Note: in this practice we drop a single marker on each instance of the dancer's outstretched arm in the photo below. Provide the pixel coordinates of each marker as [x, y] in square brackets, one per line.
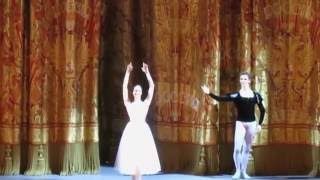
[125, 85]
[145, 69]
[228, 97]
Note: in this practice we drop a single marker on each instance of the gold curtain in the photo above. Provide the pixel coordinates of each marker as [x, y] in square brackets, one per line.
[286, 47]
[49, 65]
[49, 68]
[186, 54]
[11, 75]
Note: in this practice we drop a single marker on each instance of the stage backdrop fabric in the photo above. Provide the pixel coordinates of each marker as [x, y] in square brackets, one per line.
[48, 71]
[62, 64]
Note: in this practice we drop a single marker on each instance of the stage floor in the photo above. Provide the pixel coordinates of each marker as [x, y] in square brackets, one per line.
[107, 173]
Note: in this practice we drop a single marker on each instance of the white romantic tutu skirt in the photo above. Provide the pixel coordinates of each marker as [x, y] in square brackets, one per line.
[137, 150]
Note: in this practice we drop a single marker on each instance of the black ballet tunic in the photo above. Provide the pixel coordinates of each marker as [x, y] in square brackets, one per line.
[244, 105]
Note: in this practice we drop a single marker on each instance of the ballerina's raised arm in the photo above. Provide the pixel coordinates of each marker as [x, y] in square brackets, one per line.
[125, 84]
[145, 69]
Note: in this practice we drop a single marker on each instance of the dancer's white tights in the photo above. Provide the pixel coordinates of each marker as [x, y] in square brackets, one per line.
[243, 138]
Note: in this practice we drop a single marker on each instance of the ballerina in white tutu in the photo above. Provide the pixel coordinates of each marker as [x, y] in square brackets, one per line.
[137, 153]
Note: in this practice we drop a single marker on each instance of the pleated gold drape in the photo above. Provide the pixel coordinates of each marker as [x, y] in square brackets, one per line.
[11, 75]
[186, 54]
[49, 62]
[286, 46]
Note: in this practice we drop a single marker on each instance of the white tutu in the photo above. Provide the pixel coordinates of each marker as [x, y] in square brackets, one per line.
[137, 150]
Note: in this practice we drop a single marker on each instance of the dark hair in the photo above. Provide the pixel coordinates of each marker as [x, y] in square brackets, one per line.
[247, 74]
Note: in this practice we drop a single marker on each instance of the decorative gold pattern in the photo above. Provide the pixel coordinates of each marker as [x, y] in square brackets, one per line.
[48, 72]
[187, 53]
[48, 89]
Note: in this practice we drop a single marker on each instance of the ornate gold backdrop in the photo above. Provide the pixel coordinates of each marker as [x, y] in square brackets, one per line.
[61, 79]
[49, 62]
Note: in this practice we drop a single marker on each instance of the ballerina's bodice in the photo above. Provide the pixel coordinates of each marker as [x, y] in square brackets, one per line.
[137, 111]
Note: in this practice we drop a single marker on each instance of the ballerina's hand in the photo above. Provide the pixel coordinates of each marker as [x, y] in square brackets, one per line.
[145, 68]
[205, 89]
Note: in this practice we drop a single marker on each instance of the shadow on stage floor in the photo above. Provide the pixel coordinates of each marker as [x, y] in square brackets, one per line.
[109, 173]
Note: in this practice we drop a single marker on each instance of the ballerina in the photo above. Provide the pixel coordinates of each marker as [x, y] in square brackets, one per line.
[137, 154]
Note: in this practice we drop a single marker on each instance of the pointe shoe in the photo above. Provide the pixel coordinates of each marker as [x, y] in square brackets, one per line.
[137, 175]
[245, 175]
[236, 175]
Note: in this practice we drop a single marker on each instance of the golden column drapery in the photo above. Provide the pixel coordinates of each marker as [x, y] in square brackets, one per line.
[285, 47]
[58, 95]
[186, 55]
[11, 65]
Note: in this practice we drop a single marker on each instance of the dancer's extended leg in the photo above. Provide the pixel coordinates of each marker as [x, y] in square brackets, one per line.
[238, 142]
[249, 136]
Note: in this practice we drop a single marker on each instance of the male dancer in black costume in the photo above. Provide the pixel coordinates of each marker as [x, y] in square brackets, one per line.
[246, 126]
